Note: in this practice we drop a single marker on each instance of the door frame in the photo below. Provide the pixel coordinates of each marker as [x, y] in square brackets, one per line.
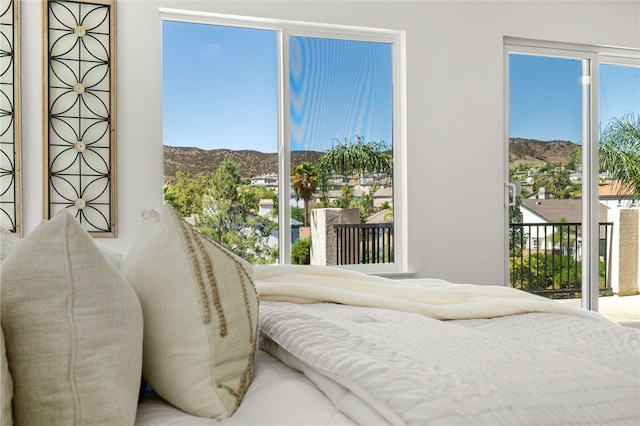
[590, 141]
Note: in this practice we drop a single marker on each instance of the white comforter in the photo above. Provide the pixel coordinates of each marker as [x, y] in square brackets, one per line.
[528, 361]
[434, 298]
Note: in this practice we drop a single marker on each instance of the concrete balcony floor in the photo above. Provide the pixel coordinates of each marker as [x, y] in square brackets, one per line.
[621, 309]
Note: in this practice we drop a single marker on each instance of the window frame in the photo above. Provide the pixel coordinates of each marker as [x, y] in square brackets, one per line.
[286, 29]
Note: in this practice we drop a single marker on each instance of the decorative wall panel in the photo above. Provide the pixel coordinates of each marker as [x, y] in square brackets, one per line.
[80, 112]
[10, 176]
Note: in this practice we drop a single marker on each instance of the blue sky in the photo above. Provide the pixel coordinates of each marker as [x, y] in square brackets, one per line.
[219, 87]
[220, 91]
[545, 96]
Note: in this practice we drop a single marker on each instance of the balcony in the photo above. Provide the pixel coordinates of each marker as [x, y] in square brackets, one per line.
[363, 243]
[546, 258]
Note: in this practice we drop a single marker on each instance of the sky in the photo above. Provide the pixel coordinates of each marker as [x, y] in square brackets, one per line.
[220, 91]
[545, 96]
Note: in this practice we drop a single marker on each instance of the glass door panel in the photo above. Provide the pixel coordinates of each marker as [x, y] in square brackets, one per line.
[619, 114]
[341, 127]
[220, 133]
[545, 144]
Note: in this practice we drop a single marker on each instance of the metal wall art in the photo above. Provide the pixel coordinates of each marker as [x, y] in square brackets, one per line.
[10, 176]
[79, 130]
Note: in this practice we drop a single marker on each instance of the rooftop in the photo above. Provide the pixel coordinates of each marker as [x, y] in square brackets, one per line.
[557, 210]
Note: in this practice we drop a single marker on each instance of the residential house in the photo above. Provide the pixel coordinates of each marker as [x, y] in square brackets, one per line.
[545, 219]
[613, 196]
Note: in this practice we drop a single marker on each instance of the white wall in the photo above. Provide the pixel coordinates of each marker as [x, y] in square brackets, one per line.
[455, 109]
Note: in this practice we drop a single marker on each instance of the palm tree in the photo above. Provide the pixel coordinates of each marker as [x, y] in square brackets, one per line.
[620, 152]
[354, 158]
[305, 180]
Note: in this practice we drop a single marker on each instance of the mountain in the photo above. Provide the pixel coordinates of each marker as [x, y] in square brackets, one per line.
[254, 163]
[531, 151]
[251, 163]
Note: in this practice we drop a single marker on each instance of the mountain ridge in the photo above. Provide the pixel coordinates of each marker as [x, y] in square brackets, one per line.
[254, 163]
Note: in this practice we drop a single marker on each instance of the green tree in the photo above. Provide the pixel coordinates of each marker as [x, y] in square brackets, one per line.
[541, 180]
[297, 213]
[305, 178]
[301, 252]
[365, 204]
[229, 218]
[353, 158]
[251, 195]
[346, 199]
[185, 193]
[561, 186]
[222, 205]
[620, 152]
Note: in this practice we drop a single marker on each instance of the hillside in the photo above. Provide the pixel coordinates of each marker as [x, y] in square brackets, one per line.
[254, 163]
[531, 151]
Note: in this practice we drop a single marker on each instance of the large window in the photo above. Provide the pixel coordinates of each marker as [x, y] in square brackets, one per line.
[284, 140]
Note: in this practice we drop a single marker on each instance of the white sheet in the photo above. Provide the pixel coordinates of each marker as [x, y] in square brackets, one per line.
[278, 395]
[530, 369]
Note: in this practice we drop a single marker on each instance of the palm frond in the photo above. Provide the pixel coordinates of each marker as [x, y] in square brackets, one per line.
[620, 152]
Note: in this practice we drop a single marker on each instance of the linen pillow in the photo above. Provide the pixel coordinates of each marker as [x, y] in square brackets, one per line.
[73, 330]
[6, 387]
[200, 312]
[8, 242]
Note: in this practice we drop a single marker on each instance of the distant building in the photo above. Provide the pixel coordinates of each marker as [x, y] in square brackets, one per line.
[555, 212]
[383, 216]
[613, 196]
[541, 210]
[265, 180]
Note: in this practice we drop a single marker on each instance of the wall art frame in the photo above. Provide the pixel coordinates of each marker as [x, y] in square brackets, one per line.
[10, 118]
[80, 112]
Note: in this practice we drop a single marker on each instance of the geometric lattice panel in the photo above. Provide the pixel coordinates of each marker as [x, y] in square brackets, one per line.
[80, 112]
[10, 192]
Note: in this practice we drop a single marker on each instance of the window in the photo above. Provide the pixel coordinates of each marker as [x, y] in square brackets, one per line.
[283, 104]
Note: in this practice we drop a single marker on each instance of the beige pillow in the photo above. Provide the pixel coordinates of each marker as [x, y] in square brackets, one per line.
[73, 330]
[8, 242]
[200, 315]
[6, 387]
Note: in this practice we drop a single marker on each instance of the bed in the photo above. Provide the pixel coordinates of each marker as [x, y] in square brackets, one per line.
[218, 338]
[339, 347]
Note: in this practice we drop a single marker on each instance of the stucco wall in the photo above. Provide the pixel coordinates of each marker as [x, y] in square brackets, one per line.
[455, 152]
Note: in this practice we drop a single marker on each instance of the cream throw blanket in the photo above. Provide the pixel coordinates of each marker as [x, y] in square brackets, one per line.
[433, 298]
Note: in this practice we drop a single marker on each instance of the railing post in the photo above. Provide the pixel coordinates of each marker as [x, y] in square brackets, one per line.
[323, 234]
[625, 253]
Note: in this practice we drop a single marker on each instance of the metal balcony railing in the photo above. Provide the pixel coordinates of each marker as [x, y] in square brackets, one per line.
[364, 243]
[546, 258]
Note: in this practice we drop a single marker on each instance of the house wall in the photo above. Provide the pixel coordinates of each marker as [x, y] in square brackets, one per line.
[455, 105]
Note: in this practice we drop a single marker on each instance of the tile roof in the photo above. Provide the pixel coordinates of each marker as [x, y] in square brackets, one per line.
[556, 210]
[383, 216]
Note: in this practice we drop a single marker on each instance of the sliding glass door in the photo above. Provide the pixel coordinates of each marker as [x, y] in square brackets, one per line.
[546, 140]
[571, 145]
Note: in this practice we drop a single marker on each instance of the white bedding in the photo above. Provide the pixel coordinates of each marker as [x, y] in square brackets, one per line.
[433, 298]
[403, 368]
[372, 351]
[278, 395]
